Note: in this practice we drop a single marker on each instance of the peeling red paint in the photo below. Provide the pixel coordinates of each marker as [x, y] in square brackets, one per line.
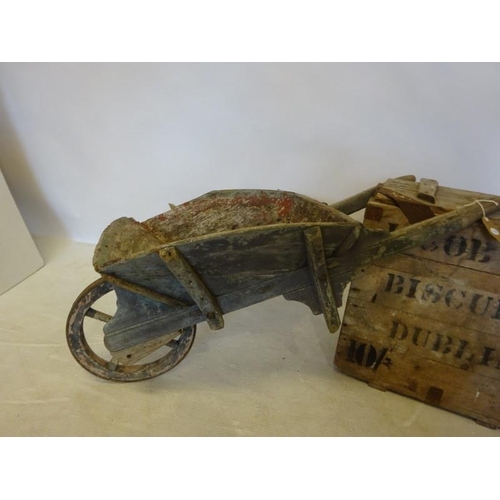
[230, 210]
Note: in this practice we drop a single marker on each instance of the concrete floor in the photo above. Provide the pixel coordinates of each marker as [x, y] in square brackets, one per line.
[269, 372]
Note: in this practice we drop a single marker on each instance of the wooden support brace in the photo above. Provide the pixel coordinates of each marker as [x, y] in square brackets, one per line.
[193, 284]
[319, 271]
[141, 290]
[133, 354]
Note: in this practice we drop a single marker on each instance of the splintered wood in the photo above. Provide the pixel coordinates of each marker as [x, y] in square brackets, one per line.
[426, 323]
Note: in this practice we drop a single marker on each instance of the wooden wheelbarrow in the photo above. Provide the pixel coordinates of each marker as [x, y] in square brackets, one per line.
[219, 253]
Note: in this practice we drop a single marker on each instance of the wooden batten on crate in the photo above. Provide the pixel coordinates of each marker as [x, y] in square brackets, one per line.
[426, 323]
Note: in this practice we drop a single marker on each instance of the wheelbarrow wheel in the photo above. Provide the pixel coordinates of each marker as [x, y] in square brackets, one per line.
[82, 313]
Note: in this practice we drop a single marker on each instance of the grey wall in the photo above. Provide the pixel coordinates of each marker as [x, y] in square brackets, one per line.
[82, 144]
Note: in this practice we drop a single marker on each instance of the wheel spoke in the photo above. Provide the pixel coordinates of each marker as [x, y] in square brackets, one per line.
[92, 313]
[112, 365]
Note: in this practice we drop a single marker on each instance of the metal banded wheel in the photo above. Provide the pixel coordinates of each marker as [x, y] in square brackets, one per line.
[85, 340]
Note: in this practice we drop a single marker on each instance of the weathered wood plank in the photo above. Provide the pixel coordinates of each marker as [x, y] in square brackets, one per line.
[141, 290]
[388, 216]
[405, 331]
[134, 354]
[473, 248]
[433, 290]
[427, 189]
[375, 247]
[319, 271]
[414, 211]
[149, 271]
[358, 201]
[198, 291]
[446, 198]
[424, 379]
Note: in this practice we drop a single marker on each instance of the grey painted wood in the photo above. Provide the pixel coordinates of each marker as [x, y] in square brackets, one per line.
[321, 279]
[198, 291]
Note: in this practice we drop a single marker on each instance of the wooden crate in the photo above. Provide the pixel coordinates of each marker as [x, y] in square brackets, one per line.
[426, 323]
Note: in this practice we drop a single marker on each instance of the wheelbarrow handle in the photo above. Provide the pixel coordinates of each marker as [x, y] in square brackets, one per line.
[359, 201]
[376, 244]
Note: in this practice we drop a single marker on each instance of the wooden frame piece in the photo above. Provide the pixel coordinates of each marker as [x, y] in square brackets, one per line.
[193, 284]
[319, 272]
[135, 353]
[427, 190]
[145, 292]
[360, 200]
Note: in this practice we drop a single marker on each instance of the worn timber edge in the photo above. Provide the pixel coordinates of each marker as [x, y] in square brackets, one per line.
[141, 290]
[384, 386]
[194, 285]
[365, 251]
[359, 201]
[321, 279]
[427, 189]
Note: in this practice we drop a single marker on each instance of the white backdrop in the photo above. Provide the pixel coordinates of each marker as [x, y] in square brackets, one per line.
[83, 144]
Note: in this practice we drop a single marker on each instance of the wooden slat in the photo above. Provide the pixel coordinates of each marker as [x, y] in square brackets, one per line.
[473, 248]
[427, 380]
[446, 198]
[141, 290]
[427, 189]
[414, 210]
[358, 201]
[134, 354]
[404, 330]
[200, 294]
[319, 271]
[433, 290]
[409, 237]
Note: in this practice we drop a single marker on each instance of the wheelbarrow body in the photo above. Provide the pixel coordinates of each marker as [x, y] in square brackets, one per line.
[227, 250]
[211, 256]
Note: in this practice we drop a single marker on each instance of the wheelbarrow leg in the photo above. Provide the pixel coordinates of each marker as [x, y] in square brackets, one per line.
[321, 278]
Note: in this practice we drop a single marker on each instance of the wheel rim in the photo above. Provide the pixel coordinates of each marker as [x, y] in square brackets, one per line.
[86, 356]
